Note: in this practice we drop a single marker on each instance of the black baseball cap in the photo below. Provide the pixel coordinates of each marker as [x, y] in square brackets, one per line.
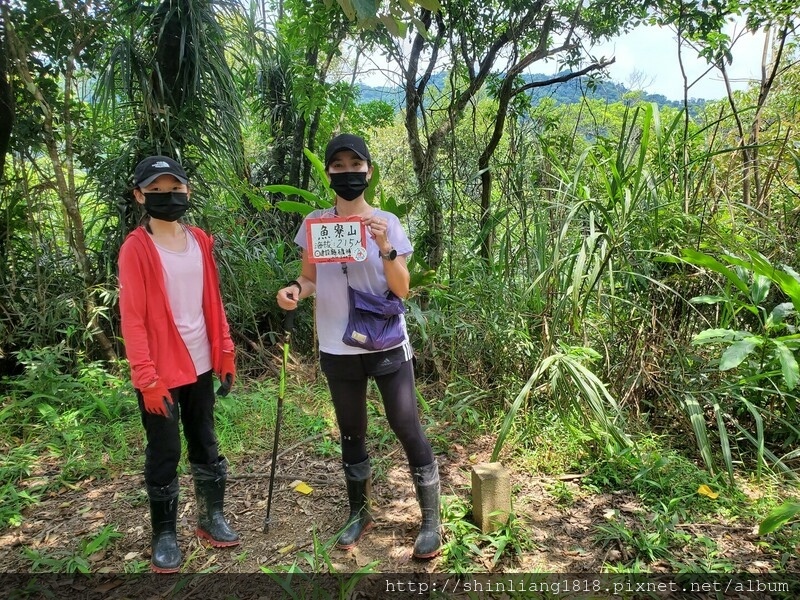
[347, 141]
[153, 167]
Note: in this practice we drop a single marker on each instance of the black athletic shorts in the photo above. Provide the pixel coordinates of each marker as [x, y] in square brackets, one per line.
[359, 366]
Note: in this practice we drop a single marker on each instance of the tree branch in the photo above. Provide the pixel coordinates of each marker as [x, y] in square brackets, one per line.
[566, 77]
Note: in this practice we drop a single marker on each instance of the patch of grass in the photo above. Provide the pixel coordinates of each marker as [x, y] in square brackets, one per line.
[380, 466]
[541, 443]
[12, 503]
[462, 538]
[296, 583]
[15, 466]
[134, 498]
[676, 491]
[784, 540]
[459, 413]
[189, 561]
[635, 566]
[136, 566]
[83, 423]
[509, 541]
[561, 493]
[665, 481]
[784, 545]
[700, 554]
[16, 463]
[328, 448]
[464, 405]
[75, 561]
[245, 420]
[467, 550]
[638, 539]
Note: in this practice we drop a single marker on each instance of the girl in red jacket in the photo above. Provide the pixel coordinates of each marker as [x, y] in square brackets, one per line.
[176, 335]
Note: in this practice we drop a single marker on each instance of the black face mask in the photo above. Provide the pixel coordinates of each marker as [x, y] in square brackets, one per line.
[349, 185]
[166, 206]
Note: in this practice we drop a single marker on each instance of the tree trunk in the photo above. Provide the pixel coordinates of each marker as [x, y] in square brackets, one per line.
[6, 94]
[423, 154]
[769, 73]
[63, 173]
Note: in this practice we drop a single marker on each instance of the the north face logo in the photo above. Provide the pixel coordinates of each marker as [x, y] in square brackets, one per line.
[160, 165]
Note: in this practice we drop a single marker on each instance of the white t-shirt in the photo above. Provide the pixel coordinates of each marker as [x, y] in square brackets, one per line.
[183, 280]
[367, 276]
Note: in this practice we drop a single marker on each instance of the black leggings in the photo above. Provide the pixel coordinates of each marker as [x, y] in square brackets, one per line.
[193, 405]
[400, 402]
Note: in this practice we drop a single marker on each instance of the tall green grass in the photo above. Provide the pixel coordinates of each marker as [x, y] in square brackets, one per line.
[616, 328]
[61, 411]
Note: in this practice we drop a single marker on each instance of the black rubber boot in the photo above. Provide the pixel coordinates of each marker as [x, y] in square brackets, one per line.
[209, 490]
[165, 554]
[359, 490]
[426, 483]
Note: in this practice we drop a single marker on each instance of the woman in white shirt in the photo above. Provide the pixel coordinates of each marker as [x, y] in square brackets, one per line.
[347, 367]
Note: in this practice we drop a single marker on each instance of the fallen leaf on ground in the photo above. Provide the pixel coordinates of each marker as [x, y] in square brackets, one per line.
[704, 490]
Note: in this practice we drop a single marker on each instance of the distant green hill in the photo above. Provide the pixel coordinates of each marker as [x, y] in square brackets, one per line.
[570, 92]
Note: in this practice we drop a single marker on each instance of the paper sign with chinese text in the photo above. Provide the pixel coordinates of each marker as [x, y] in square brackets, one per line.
[337, 239]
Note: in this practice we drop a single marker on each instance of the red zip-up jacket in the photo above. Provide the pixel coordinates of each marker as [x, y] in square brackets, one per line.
[153, 345]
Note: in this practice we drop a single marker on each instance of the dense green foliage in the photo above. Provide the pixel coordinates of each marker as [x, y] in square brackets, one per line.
[608, 270]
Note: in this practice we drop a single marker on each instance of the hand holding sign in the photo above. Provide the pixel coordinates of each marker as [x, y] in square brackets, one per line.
[378, 227]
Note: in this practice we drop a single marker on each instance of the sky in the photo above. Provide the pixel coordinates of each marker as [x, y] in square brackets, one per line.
[649, 56]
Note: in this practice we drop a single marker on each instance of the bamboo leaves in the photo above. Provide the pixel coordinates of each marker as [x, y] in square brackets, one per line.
[366, 13]
[700, 259]
[779, 517]
[761, 355]
[737, 352]
[789, 368]
[739, 345]
[582, 400]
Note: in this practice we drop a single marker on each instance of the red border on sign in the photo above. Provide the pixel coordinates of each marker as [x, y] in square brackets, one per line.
[332, 221]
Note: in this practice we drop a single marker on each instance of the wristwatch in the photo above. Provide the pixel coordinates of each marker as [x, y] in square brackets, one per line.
[390, 255]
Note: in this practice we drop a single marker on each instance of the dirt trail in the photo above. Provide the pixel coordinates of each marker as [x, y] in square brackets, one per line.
[562, 537]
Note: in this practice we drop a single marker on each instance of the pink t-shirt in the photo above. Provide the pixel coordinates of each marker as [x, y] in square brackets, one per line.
[183, 279]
